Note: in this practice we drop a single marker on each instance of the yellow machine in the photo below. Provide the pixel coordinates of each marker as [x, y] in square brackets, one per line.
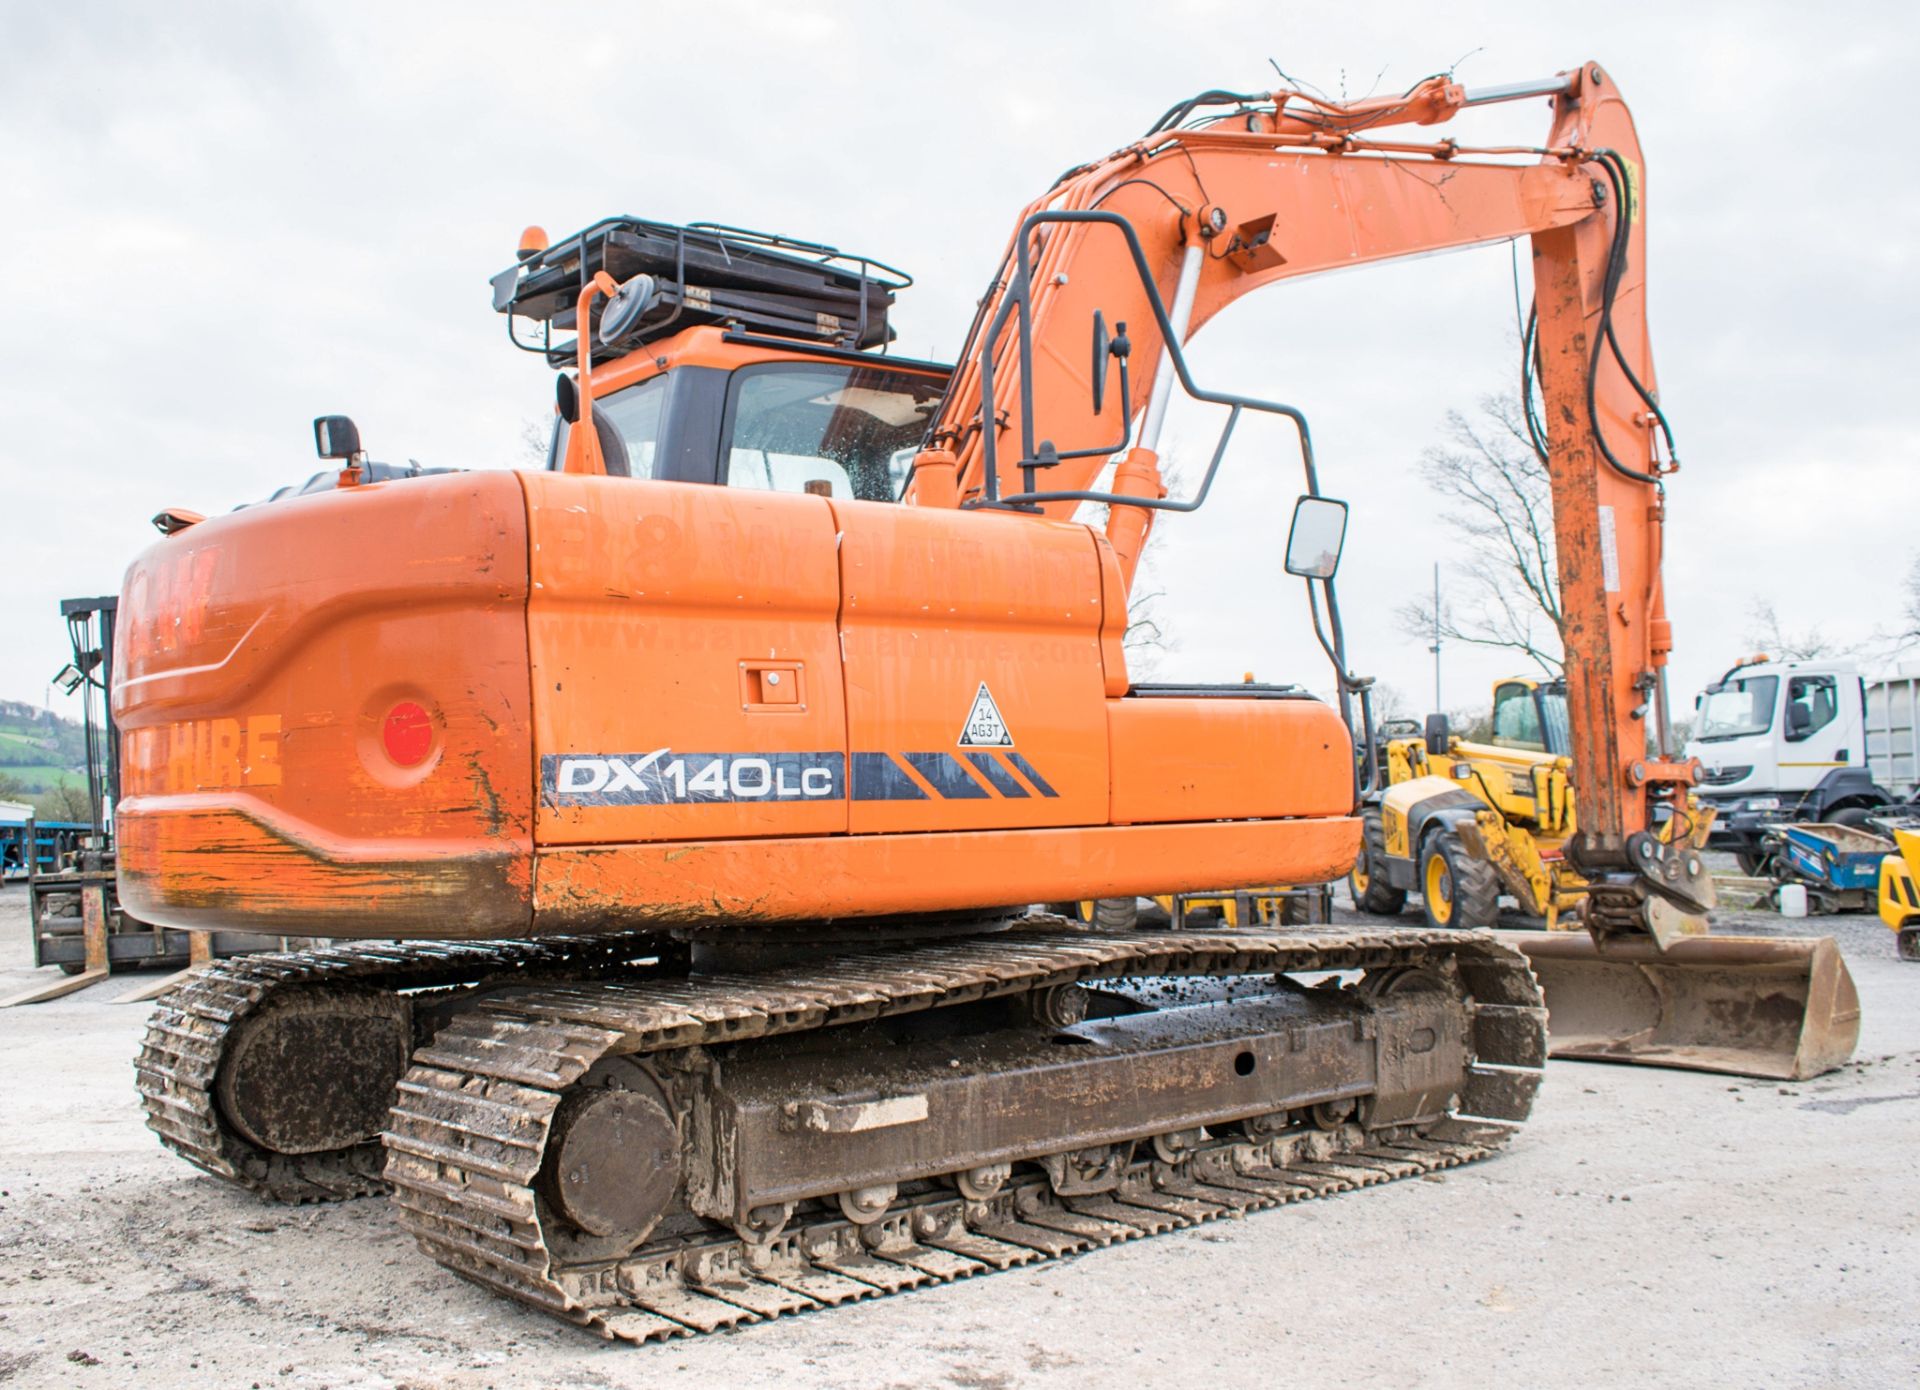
[1271, 906]
[1899, 895]
[1460, 823]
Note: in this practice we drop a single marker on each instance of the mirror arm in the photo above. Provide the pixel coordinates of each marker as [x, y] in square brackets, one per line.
[1334, 644]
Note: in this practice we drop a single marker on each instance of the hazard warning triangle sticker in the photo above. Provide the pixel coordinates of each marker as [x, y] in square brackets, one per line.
[984, 727]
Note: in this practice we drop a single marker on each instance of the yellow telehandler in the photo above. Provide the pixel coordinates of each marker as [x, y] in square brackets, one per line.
[1459, 823]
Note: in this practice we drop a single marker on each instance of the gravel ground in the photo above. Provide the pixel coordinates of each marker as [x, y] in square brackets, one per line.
[1648, 1228]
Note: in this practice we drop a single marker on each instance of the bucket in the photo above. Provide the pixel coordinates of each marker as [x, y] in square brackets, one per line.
[1775, 1006]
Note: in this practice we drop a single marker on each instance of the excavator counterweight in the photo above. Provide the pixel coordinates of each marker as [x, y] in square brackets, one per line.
[689, 795]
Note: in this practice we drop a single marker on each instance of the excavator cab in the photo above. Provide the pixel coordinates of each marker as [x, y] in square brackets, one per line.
[723, 357]
[778, 423]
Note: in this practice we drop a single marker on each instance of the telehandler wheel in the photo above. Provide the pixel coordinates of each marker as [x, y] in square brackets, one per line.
[1457, 890]
[1108, 914]
[1369, 887]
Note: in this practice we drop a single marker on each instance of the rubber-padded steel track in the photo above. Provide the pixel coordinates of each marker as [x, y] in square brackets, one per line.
[472, 1118]
[191, 1024]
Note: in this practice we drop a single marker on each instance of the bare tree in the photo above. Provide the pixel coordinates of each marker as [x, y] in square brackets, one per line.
[1147, 641]
[1145, 638]
[1910, 611]
[1390, 703]
[66, 801]
[536, 436]
[1766, 634]
[1499, 506]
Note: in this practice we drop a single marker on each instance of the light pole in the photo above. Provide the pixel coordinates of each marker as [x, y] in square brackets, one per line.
[1435, 648]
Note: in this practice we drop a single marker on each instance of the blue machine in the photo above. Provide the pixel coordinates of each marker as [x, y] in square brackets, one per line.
[52, 840]
[1838, 864]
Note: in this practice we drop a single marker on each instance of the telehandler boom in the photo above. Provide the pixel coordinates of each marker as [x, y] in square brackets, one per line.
[700, 785]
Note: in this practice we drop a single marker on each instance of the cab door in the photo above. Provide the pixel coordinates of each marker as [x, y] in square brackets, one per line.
[1814, 732]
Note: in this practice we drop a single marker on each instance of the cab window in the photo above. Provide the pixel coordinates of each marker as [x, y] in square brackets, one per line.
[1516, 719]
[1812, 704]
[826, 429]
[635, 415]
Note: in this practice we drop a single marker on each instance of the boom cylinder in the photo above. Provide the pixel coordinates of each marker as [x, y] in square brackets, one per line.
[1180, 315]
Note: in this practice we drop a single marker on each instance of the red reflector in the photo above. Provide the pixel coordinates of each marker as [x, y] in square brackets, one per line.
[408, 734]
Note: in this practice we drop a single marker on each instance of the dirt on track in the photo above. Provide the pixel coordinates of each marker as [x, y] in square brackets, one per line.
[1647, 1227]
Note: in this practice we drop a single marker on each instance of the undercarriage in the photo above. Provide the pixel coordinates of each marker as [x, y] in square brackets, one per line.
[615, 1131]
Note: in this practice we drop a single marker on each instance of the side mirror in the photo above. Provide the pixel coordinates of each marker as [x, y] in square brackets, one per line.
[1319, 531]
[1439, 737]
[1100, 343]
[623, 311]
[336, 437]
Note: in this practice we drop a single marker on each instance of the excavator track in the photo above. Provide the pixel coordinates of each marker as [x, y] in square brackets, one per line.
[192, 1027]
[470, 1130]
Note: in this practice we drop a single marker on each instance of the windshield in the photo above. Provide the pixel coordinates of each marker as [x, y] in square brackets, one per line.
[832, 430]
[1516, 720]
[1553, 704]
[1738, 708]
[1531, 718]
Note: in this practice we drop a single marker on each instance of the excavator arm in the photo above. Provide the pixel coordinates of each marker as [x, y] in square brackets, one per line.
[1147, 245]
[1123, 260]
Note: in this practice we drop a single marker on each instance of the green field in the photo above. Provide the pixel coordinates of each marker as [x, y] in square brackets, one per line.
[15, 739]
[39, 754]
[40, 777]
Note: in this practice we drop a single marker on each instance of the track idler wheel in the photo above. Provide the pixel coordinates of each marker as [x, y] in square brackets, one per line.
[612, 1165]
[315, 1073]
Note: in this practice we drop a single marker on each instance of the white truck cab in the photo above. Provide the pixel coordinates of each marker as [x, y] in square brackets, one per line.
[1790, 741]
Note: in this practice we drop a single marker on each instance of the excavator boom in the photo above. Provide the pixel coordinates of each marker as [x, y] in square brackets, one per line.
[1283, 185]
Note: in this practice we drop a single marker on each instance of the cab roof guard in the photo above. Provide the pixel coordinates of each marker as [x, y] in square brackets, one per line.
[703, 273]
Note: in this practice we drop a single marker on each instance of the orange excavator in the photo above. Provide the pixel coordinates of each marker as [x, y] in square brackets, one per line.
[691, 792]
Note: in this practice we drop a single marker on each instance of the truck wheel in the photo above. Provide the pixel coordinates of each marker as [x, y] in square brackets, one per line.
[1367, 883]
[1754, 863]
[1457, 890]
[1851, 817]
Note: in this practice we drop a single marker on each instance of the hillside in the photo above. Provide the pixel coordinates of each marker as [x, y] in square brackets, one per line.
[39, 750]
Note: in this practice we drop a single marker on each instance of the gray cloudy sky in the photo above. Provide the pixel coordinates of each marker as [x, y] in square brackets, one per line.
[226, 220]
